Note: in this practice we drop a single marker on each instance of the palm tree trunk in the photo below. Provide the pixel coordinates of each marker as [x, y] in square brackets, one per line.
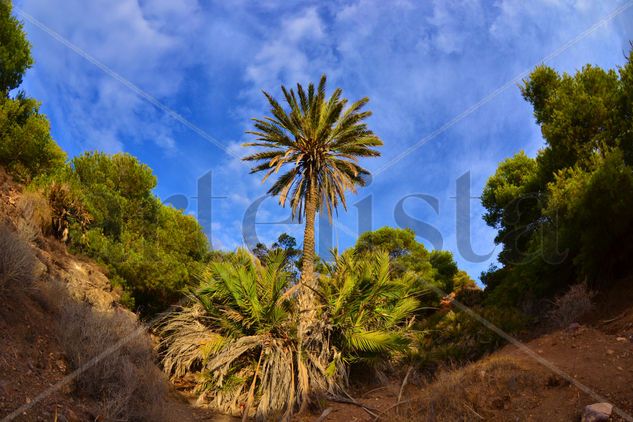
[307, 302]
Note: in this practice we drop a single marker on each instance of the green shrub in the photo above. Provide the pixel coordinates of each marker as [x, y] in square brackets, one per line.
[26, 146]
[370, 311]
[239, 336]
[453, 335]
[104, 207]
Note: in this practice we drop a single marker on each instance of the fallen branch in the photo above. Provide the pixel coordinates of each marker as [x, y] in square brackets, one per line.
[351, 400]
[366, 393]
[404, 383]
[607, 321]
[382, 412]
[473, 410]
[324, 414]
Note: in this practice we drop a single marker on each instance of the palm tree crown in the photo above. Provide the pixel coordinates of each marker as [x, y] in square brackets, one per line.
[318, 142]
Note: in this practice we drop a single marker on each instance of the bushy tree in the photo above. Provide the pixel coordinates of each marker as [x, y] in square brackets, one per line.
[436, 269]
[15, 50]
[288, 246]
[104, 206]
[26, 146]
[561, 216]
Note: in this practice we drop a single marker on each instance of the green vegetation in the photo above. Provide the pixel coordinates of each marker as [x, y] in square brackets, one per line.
[103, 204]
[26, 146]
[240, 333]
[564, 216]
[15, 50]
[265, 334]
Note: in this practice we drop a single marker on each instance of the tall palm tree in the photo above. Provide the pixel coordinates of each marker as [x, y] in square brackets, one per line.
[316, 145]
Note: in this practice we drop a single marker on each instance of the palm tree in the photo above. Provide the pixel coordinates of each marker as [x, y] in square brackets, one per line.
[316, 145]
[237, 338]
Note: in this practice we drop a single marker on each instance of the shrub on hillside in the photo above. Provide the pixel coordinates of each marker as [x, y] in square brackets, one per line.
[456, 336]
[36, 215]
[17, 261]
[26, 147]
[103, 206]
[572, 305]
[477, 392]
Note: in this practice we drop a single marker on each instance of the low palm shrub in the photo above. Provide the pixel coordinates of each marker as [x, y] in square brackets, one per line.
[370, 311]
[238, 335]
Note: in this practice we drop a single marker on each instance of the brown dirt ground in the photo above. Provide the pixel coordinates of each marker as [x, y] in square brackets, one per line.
[597, 354]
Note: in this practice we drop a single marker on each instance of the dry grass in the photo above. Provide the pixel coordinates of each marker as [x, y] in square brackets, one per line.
[475, 392]
[36, 216]
[126, 383]
[17, 260]
[572, 305]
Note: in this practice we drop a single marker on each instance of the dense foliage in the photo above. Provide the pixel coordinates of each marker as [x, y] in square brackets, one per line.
[565, 215]
[436, 271]
[26, 146]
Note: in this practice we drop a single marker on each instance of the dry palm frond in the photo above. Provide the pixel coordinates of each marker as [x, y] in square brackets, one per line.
[238, 336]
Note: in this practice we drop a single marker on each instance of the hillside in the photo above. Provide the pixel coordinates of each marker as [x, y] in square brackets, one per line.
[69, 295]
[511, 386]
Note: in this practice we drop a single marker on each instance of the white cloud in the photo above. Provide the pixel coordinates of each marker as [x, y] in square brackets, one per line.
[296, 51]
[131, 38]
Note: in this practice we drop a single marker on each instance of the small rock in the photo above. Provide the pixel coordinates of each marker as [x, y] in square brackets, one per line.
[620, 339]
[610, 352]
[597, 412]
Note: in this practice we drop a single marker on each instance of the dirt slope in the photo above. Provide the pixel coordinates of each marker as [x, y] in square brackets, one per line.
[597, 353]
[32, 358]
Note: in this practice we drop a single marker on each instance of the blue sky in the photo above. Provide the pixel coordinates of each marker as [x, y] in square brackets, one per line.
[421, 64]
